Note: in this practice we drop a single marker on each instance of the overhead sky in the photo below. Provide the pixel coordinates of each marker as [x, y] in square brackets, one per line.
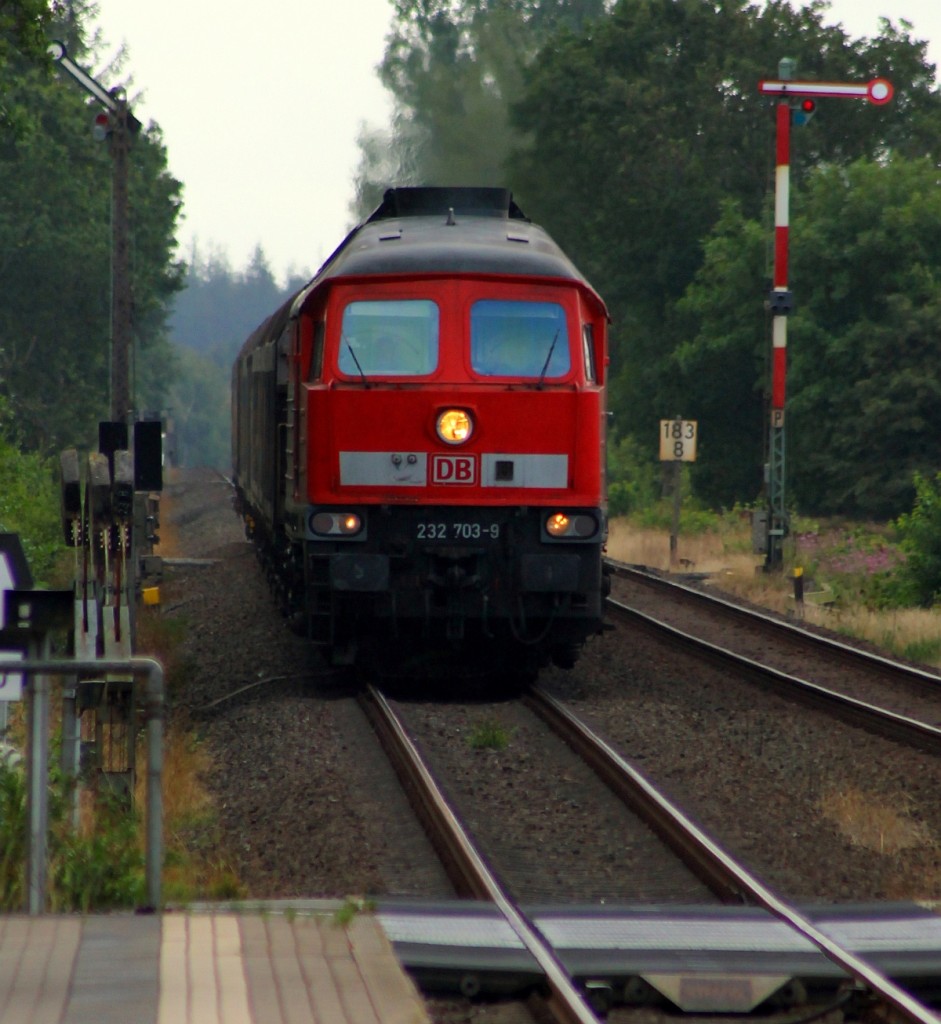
[260, 105]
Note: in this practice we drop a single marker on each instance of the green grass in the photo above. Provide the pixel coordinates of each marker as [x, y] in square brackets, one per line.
[488, 735]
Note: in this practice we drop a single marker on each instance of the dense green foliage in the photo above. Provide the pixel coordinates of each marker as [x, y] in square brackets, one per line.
[653, 129]
[863, 341]
[55, 243]
[919, 579]
[29, 505]
[867, 339]
[635, 132]
[23, 28]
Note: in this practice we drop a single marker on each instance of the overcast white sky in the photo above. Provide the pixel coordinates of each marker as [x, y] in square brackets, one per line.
[260, 106]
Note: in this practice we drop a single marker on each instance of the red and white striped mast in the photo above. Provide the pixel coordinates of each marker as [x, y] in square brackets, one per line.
[878, 91]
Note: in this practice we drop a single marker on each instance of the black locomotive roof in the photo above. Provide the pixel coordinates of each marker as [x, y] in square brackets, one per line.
[448, 230]
[430, 200]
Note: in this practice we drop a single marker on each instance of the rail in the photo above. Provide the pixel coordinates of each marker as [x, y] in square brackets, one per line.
[737, 876]
[566, 1001]
[868, 716]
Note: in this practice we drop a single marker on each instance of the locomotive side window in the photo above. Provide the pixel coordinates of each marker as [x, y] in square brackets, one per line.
[316, 352]
[389, 337]
[588, 350]
[512, 338]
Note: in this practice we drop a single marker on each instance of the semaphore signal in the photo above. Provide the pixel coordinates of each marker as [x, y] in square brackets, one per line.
[878, 91]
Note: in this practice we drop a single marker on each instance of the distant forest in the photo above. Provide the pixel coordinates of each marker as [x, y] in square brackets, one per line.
[209, 320]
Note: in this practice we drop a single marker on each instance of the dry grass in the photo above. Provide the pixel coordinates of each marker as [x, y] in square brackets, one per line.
[194, 867]
[876, 823]
[913, 633]
[720, 555]
[724, 554]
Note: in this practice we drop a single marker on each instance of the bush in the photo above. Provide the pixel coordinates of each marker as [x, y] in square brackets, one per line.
[860, 564]
[633, 479]
[100, 870]
[919, 578]
[29, 505]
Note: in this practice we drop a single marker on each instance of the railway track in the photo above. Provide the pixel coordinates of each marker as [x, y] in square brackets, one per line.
[898, 701]
[290, 742]
[730, 880]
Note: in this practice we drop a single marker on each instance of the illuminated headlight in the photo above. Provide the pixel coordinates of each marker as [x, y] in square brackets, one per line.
[335, 524]
[454, 426]
[571, 526]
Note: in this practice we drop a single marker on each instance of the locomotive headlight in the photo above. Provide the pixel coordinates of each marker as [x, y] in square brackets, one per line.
[571, 526]
[454, 426]
[336, 524]
[557, 525]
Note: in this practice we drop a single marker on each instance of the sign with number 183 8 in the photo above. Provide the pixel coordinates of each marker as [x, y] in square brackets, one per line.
[678, 440]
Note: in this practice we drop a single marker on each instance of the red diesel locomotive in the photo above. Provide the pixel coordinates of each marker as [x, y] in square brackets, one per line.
[418, 442]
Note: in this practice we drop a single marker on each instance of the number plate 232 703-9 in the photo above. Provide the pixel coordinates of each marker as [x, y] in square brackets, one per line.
[456, 532]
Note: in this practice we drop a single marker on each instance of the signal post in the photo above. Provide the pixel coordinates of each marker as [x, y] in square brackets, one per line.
[780, 301]
[116, 124]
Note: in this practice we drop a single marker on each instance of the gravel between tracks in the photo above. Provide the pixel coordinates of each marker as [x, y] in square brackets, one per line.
[306, 808]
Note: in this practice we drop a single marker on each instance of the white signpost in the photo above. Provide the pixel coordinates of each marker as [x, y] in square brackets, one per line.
[678, 440]
[14, 575]
[677, 444]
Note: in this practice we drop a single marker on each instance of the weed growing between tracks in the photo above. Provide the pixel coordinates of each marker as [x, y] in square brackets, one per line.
[489, 735]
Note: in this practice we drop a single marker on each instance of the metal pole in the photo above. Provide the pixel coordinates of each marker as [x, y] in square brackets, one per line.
[71, 746]
[120, 266]
[780, 304]
[154, 825]
[37, 794]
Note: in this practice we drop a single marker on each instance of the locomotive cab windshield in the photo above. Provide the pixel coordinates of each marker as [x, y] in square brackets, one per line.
[389, 337]
[513, 338]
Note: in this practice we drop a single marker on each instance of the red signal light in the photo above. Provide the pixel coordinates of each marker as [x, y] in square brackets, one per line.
[802, 113]
[102, 127]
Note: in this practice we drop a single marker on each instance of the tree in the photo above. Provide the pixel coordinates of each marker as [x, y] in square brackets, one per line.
[864, 345]
[200, 401]
[23, 25]
[720, 370]
[219, 307]
[866, 350]
[636, 134]
[639, 131]
[55, 183]
[29, 502]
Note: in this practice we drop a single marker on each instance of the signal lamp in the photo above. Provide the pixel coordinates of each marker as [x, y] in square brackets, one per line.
[804, 111]
[102, 127]
[335, 524]
[571, 526]
[454, 426]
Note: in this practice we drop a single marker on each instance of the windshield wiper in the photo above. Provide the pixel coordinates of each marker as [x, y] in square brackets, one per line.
[355, 360]
[545, 365]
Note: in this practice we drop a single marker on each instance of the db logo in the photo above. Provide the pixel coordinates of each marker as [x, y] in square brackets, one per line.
[454, 469]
